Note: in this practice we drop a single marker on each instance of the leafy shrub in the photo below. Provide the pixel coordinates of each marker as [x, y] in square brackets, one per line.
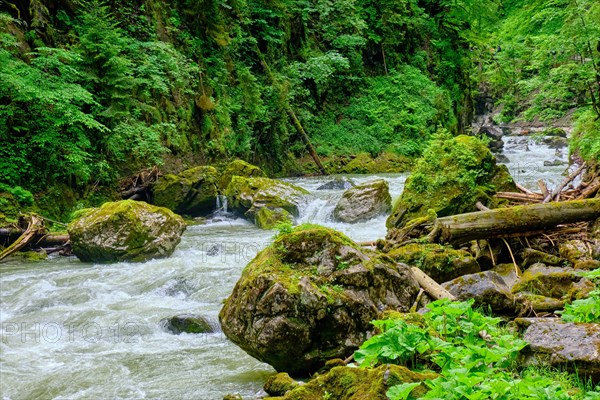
[24, 197]
[473, 354]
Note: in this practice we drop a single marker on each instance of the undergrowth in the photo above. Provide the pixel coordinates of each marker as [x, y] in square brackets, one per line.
[474, 355]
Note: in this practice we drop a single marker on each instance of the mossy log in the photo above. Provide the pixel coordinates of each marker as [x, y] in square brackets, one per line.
[461, 228]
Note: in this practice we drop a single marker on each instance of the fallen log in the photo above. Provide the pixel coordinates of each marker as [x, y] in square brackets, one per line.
[502, 222]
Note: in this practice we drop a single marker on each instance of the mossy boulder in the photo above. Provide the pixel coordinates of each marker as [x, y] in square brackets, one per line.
[239, 168]
[310, 297]
[453, 174]
[247, 196]
[267, 218]
[440, 263]
[125, 231]
[364, 202]
[553, 282]
[186, 323]
[192, 192]
[574, 250]
[362, 163]
[347, 383]
[279, 384]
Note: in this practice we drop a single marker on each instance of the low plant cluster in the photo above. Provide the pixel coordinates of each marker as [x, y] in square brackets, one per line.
[474, 355]
[585, 310]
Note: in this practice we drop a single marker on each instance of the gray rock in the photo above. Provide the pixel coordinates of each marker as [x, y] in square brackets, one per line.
[575, 347]
[364, 202]
[125, 231]
[486, 288]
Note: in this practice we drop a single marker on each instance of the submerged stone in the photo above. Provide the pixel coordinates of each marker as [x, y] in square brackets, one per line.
[364, 202]
[337, 184]
[311, 297]
[186, 323]
[125, 231]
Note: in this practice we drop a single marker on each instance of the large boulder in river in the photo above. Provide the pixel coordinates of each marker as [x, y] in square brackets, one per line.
[125, 231]
[453, 174]
[193, 192]
[311, 297]
[239, 168]
[248, 196]
[364, 202]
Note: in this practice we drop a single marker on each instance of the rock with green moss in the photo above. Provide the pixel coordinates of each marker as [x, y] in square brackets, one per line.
[311, 297]
[267, 218]
[553, 282]
[362, 163]
[125, 231]
[574, 250]
[247, 196]
[192, 192]
[239, 168]
[186, 323]
[347, 383]
[487, 288]
[364, 202]
[279, 384]
[440, 263]
[453, 174]
[532, 256]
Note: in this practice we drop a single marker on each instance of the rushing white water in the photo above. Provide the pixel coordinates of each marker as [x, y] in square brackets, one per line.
[71, 330]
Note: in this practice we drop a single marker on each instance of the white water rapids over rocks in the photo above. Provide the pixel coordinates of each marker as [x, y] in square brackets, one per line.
[71, 330]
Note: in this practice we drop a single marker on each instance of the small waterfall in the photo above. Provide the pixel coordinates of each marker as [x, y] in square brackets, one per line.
[221, 205]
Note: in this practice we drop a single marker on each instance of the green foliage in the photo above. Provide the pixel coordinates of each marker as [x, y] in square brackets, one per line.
[585, 139]
[24, 197]
[397, 113]
[542, 59]
[473, 354]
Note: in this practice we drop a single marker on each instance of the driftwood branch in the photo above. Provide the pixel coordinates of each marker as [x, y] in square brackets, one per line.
[433, 288]
[35, 227]
[556, 192]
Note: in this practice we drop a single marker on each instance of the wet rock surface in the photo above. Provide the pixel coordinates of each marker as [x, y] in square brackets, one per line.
[310, 297]
[364, 202]
[125, 231]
